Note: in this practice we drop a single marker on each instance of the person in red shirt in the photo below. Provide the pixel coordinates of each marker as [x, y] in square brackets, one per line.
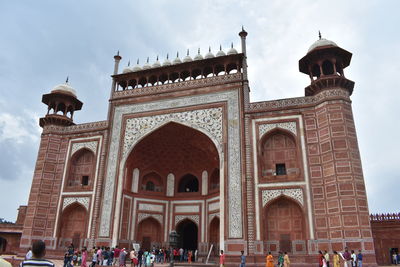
[222, 259]
[117, 251]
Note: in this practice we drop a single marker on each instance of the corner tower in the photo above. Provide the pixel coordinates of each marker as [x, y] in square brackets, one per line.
[62, 101]
[324, 63]
[338, 194]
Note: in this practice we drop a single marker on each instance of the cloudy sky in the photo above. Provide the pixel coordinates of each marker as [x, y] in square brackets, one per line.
[41, 42]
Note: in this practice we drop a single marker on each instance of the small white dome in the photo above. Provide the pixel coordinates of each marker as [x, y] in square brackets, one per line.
[232, 51]
[167, 62]
[64, 88]
[127, 68]
[147, 65]
[220, 53]
[157, 63]
[321, 42]
[209, 54]
[198, 56]
[187, 58]
[177, 60]
[137, 67]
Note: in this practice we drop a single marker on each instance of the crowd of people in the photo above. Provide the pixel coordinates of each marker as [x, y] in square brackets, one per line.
[106, 256]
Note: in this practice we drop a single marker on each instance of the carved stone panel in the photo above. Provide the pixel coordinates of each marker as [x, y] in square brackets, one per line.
[92, 146]
[81, 200]
[290, 126]
[269, 195]
[194, 218]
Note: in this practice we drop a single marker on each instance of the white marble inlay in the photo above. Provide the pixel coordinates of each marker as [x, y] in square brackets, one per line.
[150, 207]
[194, 218]
[290, 126]
[142, 216]
[81, 200]
[92, 146]
[213, 206]
[269, 195]
[186, 209]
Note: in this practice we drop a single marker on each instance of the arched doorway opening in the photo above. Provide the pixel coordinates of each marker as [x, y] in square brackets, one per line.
[3, 244]
[285, 223]
[188, 183]
[73, 224]
[188, 235]
[149, 233]
[214, 235]
[177, 157]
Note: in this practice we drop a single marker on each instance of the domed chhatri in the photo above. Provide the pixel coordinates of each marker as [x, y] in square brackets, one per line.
[157, 63]
[232, 51]
[209, 54]
[177, 60]
[187, 58]
[137, 67]
[325, 61]
[220, 53]
[127, 68]
[198, 56]
[147, 65]
[167, 62]
[63, 102]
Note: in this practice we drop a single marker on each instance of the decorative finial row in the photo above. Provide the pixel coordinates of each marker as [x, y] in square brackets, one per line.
[177, 60]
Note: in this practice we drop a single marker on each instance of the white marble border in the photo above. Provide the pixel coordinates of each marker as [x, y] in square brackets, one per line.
[99, 138]
[234, 158]
[274, 120]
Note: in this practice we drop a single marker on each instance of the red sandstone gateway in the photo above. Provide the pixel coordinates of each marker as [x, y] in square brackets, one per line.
[184, 149]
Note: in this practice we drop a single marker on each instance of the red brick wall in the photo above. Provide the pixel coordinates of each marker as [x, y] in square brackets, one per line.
[337, 185]
[45, 190]
[386, 233]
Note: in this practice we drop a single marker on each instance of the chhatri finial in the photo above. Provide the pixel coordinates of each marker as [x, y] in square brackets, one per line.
[66, 81]
[220, 47]
[157, 58]
[137, 62]
[319, 35]
[167, 56]
[177, 54]
[147, 61]
[118, 53]
[209, 49]
[129, 63]
[232, 45]
[187, 53]
[198, 51]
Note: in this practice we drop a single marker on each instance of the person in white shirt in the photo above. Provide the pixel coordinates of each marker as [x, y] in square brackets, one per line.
[28, 255]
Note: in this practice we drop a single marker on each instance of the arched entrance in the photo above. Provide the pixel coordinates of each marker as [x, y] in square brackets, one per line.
[188, 235]
[149, 233]
[284, 223]
[214, 235]
[73, 224]
[170, 164]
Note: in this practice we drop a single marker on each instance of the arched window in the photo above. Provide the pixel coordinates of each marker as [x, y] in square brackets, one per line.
[81, 170]
[279, 156]
[188, 183]
[327, 67]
